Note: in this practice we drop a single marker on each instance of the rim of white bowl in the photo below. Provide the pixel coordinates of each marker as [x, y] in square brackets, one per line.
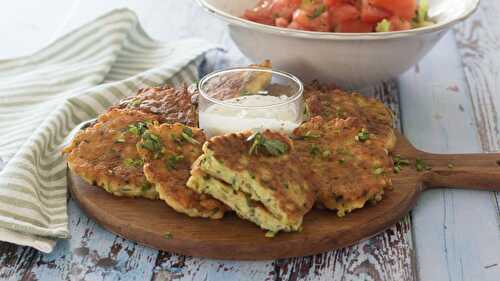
[333, 35]
[297, 95]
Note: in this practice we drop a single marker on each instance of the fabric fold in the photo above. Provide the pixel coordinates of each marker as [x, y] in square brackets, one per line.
[45, 95]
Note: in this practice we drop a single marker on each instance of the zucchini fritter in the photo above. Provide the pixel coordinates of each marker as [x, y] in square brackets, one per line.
[264, 168]
[372, 114]
[168, 151]
[105, 153]
[343, 161]
[239, 201]
[170, 104]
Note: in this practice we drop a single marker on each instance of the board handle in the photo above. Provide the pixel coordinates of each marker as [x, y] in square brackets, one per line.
[466, 171]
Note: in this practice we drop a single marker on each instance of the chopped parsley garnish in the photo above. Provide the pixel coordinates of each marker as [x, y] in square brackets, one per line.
[135, 163]
[173, 160]
[167, 235]
[273, 147]
[138, 128]
[399, 162]
[420, 165]
[362, 136]
[187, 135]
[152, 143]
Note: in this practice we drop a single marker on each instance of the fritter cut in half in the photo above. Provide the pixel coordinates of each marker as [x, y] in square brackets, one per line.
[257, 176]
[105, 153]
[170, 104]
[168, 151]
[343, 161]
[373, 115]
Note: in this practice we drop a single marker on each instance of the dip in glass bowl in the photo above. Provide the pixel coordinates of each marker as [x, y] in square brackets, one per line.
[247, 98]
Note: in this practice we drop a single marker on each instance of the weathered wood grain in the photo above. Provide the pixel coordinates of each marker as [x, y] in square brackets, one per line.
[456, 232]
[92, 254]
[15, 260]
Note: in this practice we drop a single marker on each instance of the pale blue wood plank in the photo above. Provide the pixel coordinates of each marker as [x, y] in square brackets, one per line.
[93, 253]
[456, 231]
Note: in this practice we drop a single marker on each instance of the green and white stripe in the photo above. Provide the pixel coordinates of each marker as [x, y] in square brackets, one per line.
[44, 96]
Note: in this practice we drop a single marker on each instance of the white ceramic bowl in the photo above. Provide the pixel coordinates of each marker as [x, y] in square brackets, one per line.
[351, 60]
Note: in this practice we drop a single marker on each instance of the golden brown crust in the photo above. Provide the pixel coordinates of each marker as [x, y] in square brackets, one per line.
[170, 104]
[168, 167]
[105, 154]
[344, 165]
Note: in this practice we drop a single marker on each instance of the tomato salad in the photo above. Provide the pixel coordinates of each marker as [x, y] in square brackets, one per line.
[341, 15]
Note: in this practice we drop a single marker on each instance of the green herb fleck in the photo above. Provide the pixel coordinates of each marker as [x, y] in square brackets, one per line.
[326, 153]
[138, 128]
[399, 162]
[309, 136]
[273, 147]
[167, 235]
[135, 163]
[342, 161]
[362, 136]
[420, 165]
[187, 135]
[173, 160]
[152, 143]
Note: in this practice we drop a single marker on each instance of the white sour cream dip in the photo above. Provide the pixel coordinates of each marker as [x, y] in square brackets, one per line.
[219, 119]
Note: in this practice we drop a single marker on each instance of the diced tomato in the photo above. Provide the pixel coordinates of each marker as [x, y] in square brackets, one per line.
[281, 22]
[321, 23]
[285, 8]
[403, 8]
[343, 13]
[261, 13]
[372, 14]
[307, 21]
[333, 3]
[354, 26]
[398, 24]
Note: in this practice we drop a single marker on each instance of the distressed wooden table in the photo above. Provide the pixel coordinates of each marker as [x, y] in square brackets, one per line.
[447, 103]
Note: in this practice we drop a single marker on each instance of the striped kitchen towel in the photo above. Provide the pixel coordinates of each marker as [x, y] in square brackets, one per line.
[45, 95]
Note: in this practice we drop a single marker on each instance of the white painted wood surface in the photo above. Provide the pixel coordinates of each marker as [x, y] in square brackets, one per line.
[444, 109]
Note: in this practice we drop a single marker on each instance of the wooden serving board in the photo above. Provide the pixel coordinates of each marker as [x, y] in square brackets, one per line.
[147, 222]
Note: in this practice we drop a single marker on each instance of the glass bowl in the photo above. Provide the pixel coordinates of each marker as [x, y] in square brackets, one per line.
[247, 98]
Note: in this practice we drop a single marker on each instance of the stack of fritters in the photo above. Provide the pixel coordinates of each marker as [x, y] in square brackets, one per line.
[148, 146]
[168, 151]
[105, 153]
[257, 176]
